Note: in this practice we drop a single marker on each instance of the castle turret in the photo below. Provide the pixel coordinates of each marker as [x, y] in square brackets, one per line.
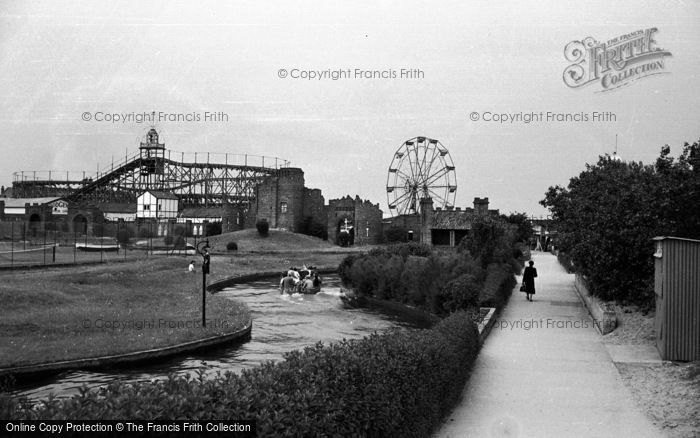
[481, 206]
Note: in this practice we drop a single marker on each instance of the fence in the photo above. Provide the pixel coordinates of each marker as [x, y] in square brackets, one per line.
[48, 243]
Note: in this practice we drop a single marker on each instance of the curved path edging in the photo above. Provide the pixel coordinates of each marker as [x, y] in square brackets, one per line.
[155, 353]
[129, 358]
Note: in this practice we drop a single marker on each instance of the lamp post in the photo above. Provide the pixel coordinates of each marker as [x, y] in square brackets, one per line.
[204, 251]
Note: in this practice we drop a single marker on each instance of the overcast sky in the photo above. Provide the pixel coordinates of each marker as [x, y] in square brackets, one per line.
[59, 60]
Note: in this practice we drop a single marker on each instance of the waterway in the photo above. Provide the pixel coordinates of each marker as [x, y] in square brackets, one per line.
[281, 323]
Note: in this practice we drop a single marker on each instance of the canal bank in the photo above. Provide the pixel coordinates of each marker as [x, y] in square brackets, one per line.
[282, 323]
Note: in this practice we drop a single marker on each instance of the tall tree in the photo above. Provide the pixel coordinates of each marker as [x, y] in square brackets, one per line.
[607, 216]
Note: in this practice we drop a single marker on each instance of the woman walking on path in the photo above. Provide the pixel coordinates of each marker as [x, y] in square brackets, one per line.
[529, 280]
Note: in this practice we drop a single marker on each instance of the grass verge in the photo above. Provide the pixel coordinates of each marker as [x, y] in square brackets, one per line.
[90, 311]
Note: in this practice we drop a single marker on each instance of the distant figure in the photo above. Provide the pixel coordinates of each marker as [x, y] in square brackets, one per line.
[191, 268]
[317, 280]
[206, 262]
[529, 279]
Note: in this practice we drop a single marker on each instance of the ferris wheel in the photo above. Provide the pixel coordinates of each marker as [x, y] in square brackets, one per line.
[421, 168]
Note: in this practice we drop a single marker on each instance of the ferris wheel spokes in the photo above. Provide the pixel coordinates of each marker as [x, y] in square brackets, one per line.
[421, 167]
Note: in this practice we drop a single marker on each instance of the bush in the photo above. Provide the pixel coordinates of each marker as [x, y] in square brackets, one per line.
[263, 227]
[408, 273]
[607, 216]
[396, 234]
[312, 228]
[460, 293]
[498, 286]
[168, 240]
[212, 229]
[565, 261]
[400, 384]
[123, 236]
[232, 246]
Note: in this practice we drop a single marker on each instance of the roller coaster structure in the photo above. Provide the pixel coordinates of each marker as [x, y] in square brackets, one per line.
[197, 179]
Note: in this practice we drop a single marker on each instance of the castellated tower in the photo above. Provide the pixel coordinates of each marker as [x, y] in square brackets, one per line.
[481, 206]
[280, 199]
[426, 216]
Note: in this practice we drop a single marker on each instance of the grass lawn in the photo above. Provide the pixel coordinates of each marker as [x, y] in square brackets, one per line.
[88, 311]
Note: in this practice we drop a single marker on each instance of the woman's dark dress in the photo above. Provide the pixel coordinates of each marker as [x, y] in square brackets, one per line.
[529, 279]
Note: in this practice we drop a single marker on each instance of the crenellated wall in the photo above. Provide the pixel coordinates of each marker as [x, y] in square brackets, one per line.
[362, 215]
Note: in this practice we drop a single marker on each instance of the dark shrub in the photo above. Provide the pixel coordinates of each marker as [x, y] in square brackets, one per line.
[312, 228]
[498, 286]
[212, 229]
[345, 268]
[403, 249]
[168, 240]
[263, 227]
[400, 384]
[396, 234]
[565, 261]
[607, 216]
[232, 246]
[123, 236]
[397, 273]
[460, 293]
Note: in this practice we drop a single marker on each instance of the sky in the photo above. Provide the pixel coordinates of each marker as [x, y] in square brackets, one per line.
[62, 60]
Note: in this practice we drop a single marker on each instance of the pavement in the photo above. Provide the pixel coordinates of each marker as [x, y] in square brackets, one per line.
[544, 371]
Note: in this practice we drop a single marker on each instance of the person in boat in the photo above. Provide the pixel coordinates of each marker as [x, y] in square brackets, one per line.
[307, 284]
[288, 284]
[294, 272]
[316, 280]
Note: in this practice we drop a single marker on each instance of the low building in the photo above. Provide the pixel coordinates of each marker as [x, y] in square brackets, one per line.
[154, 204]
[439, 226]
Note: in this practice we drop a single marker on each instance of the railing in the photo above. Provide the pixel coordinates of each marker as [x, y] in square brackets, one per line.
[60, 242]
[185, 158]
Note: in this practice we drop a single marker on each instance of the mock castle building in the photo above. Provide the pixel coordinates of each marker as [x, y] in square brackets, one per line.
[154, 191]
[287, 204]
[354, 221]
[439, 226]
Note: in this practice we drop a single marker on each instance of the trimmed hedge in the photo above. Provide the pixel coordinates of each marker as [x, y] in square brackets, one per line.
[498, 286]
[565, 261]
[438, 283]
[399, 384]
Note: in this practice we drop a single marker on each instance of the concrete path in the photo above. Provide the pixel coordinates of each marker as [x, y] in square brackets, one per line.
[544, 372]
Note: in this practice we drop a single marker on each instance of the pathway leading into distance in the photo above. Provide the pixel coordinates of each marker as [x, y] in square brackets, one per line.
[544, 372]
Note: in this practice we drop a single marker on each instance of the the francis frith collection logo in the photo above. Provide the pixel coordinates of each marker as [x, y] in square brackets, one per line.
[616, 62]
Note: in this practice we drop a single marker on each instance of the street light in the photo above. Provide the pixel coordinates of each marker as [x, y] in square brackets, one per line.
[204, 251]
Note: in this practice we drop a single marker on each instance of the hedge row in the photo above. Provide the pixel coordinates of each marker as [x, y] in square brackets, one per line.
[439, 284]
[414, 280]
[498, 286]
[399, 384]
